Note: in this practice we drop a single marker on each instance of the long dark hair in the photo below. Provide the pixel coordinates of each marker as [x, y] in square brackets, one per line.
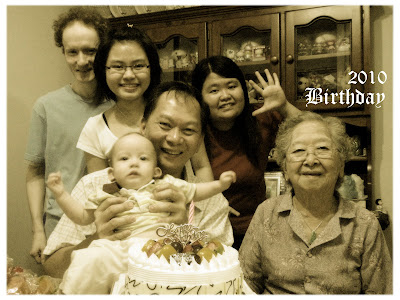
[125, 33]
[245, 123]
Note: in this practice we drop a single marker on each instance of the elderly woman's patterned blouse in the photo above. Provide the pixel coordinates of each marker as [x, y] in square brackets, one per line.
[349, 256]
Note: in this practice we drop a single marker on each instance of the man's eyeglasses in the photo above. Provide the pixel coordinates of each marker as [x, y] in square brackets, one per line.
[121, 69]
[300, 154]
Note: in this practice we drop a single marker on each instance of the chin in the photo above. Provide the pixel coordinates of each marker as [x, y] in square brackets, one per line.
[85, 78]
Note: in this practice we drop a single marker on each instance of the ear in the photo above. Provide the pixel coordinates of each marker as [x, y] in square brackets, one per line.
[142, 126]
[111, 174]
[157, 172]
[284, 171]
[341, 171]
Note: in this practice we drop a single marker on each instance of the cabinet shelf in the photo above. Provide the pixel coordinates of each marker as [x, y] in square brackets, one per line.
[324, 56]
[253, 63]
[172, 70]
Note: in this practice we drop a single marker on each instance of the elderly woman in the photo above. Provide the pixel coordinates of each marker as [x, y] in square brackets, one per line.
[310, 241]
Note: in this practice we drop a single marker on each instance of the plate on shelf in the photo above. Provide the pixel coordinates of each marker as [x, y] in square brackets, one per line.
[122, 10]
[104, 10]
[141, 9]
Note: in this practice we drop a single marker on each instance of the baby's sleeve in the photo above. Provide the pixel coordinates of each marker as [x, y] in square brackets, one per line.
[188, 188]
[96, 198]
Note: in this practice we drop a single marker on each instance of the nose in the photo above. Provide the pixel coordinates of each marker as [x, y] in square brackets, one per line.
[82, 59]
[225, 94]
[129, 72]
[134, 161]
[174, 136]
[310, 159]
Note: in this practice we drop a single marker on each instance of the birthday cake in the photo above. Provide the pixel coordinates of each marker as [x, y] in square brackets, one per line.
[182, 266]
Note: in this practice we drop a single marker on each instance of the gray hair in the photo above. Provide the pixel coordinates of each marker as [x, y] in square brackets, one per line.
[337, 132]
[334, 125]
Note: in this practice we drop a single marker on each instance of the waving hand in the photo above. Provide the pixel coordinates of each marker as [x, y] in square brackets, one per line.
[271, 91]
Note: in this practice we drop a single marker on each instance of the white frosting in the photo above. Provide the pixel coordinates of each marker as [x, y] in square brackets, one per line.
[221, 268]
[222, 275]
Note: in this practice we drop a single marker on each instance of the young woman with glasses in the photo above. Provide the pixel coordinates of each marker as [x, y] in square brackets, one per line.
[127, 70]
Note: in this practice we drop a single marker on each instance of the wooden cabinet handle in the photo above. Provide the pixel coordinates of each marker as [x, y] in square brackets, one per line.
[289, 59]
[274, 60]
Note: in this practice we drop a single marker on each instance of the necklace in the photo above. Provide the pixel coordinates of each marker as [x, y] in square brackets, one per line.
[121, 112]
[313, 231]
[313, 234]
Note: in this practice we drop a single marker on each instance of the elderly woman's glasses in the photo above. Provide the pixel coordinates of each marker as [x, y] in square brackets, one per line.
[300, 154]
[121, 69]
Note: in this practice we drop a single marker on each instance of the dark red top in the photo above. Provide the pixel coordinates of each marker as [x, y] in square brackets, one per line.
[228, 153]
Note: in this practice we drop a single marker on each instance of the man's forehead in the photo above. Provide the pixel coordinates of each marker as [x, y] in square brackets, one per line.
[177, 100]
[79, 32]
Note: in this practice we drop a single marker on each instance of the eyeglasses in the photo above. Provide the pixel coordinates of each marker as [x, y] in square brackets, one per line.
[121, 69]
[300, 154]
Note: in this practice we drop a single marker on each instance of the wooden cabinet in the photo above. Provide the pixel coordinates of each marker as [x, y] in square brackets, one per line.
[180, 48]
[252, 42]
[307, 46]
[322, 45]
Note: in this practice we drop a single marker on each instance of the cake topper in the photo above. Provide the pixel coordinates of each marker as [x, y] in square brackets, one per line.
[185, 234]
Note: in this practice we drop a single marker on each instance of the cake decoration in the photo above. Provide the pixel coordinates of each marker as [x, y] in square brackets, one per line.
[183, 243]
[199, 267]
[184, 234]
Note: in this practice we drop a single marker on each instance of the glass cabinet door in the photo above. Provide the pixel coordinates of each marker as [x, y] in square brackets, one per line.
[180, 48]
[322, 46]
[252, 42]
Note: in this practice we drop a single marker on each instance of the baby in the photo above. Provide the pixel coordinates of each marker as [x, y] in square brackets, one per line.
[134, 174]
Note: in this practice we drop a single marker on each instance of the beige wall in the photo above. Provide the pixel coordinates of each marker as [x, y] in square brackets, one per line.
[36, 66]
[382, 118]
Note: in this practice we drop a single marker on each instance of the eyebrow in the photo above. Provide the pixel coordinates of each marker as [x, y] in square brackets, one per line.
[171, 118]
[140, 60]
[230, 81]
[320, 140]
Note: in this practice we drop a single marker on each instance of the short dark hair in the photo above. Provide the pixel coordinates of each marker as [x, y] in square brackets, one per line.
[125, 33]
[181, 89]
[86, 15]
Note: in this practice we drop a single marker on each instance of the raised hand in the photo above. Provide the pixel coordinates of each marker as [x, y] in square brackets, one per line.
[55, 184]
[271, 91]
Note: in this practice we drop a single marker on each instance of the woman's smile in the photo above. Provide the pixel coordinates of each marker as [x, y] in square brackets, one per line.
[226, 105]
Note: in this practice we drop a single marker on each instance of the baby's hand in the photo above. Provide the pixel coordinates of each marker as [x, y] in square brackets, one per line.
[227, 178]
[55, 184]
